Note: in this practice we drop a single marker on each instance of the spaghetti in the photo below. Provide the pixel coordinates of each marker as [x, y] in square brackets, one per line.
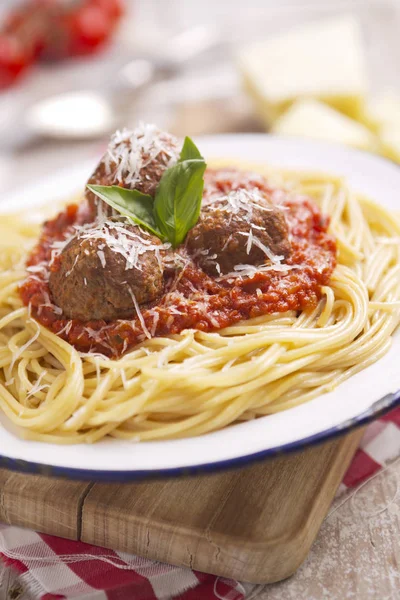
[194, 382]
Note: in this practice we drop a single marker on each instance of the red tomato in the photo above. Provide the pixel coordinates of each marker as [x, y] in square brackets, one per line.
[89, 28]
[14, 60]
[54, 29]
[115, 8]
[27, 26]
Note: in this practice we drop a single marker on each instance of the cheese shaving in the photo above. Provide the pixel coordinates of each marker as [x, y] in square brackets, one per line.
[38, 386]
[49, 304]
[23, 348]
[139, 314]
[240, 202]
[244, 270]
[129, 152]
[102, 257]
[156, 318]
[275, 258]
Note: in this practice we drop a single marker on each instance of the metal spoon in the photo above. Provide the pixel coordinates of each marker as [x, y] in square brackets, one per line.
[88, 114]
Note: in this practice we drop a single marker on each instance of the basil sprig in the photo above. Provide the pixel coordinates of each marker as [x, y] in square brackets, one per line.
[175, 208]
[130, 203]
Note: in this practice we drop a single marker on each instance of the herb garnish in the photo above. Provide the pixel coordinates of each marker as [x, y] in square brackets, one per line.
[176, 206]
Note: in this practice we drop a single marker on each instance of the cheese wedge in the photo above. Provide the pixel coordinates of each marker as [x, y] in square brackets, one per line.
[382, 111]
[313, 119]
[390, 142]
[322, 60]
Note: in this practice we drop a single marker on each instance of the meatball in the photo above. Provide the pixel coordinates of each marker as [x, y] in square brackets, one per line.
[240, 228]
[136, 160]
[104, 271]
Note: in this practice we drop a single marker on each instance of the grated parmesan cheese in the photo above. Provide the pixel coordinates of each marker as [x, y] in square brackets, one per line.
[38, 386]
[22, 349]
[156, 318]
[249, 241]
[68, 273]
[102, 257]
[252, 270]
[131, 151]
[274, 258]
[65, 329]
[241, 202]
[139, 313]
[48, 303]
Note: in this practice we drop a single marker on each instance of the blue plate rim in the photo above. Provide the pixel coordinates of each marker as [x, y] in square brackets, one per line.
[378, 409]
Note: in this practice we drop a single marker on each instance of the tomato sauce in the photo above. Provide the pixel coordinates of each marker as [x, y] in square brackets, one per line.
[194, 300]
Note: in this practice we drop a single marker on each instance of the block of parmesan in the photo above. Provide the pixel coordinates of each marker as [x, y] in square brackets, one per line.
[390, 142]
[322, 60]
[382, 111]
[313, 119]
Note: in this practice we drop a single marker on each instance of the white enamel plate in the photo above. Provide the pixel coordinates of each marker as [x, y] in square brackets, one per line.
[357, 401]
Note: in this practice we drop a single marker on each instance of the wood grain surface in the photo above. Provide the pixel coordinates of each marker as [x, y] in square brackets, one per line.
[44, 504]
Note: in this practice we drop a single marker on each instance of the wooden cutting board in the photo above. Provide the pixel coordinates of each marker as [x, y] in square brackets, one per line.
[255, 524]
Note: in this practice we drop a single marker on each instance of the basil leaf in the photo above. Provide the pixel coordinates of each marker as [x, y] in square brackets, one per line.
[132, 204]
[177, 203]
[189, 151]
[178, 199]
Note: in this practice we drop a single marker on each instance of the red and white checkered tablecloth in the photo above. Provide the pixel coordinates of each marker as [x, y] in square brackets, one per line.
[53, 567]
